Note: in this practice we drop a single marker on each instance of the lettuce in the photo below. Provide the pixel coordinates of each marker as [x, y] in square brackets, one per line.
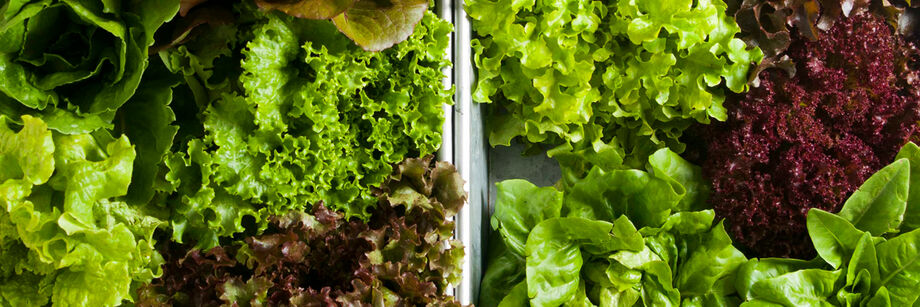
[66, 234]
[773, 24]
[613, 238]
[310, 118]
[621, 238]
[809, 140]
[74, 63]
[609, 82]
[403, 256]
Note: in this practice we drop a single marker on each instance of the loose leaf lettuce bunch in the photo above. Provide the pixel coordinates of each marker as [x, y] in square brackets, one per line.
[869, 253]
[809, 140]
[313, 118]
[605, 80]
[618, 238]
[66, 233]
[403, 256]
[74, 63]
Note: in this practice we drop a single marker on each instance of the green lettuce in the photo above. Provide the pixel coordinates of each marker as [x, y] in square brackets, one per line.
[73, 63]
[613, 238]
[66, 233]
[311, 117]
[609, 82]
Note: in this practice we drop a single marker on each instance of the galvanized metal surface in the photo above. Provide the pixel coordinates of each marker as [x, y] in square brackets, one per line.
[479, 164]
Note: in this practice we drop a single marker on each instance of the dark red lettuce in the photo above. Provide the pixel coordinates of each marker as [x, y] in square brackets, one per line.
[769, 24]
[810, 140]
[403, 256]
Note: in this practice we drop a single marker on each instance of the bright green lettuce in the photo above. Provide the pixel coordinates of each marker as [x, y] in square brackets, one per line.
[312, 118]
[73, 63]
[613, 238]
[66, 234]
[606, 81]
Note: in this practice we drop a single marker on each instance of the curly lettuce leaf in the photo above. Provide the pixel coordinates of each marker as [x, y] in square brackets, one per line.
[609, 82]
[404, 255]
[315, 119]
[76, 241]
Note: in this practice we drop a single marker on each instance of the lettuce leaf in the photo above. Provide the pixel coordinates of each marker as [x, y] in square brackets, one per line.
[313, 118]
[790, 145]
[607, 81]
[868, 254]
[373, 25]
[66, 234]
[624, 237]
[74, 63]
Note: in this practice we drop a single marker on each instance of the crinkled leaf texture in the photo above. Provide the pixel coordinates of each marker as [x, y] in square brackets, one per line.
[605, 80]
[403, 256]
[313, 118]
[809, 140]
[618, 238]
[74, 63]
[771, 24]
[66, 236]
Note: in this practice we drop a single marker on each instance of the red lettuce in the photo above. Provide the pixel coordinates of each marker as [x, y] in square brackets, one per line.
[403, 255]
[809, 140]
[768, 24]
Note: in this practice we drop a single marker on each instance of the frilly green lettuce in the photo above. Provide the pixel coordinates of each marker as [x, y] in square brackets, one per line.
[313, 118]
[607, 81]
[65, 233]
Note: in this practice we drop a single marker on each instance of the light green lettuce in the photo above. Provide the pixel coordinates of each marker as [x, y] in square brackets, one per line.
[609, 82]
[66, 235]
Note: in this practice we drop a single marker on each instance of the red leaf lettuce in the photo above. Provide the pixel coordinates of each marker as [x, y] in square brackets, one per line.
[403, 256]
[810, 140]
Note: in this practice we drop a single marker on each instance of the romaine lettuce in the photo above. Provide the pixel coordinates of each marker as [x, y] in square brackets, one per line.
[73, 63]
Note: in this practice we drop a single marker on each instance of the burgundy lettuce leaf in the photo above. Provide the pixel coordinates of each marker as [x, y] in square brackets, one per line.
[403, 256]
[809, 140]
[769, 24]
